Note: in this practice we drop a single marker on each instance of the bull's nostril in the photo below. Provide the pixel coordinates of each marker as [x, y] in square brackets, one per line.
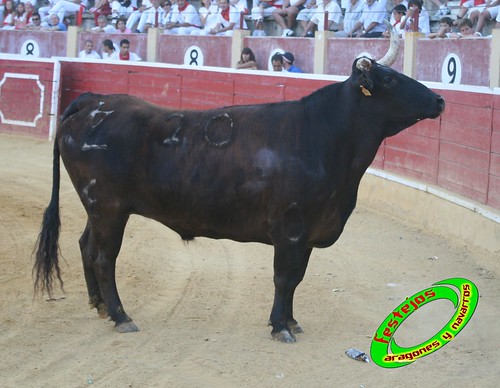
[441, 103]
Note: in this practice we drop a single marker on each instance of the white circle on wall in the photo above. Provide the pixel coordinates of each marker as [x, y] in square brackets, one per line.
[193, 56]
[30, 47]
[269, 62]
[451, 71]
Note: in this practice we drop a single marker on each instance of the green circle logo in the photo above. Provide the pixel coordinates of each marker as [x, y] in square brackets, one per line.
[384, 350]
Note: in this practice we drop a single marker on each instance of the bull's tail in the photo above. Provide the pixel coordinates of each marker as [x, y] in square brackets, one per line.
[46, 267]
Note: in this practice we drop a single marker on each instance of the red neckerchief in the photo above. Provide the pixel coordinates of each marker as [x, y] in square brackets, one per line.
[183, 8]
[225, 14]
[125, 57]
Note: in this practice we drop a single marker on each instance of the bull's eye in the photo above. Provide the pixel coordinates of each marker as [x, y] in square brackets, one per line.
[388, 81]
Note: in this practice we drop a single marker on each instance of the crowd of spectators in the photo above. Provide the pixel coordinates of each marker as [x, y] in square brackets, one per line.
[348, 18]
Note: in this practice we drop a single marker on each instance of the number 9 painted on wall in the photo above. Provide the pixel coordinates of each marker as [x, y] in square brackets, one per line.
[451, 71]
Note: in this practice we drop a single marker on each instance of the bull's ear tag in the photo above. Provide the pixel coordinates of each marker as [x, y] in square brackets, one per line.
[365, 91]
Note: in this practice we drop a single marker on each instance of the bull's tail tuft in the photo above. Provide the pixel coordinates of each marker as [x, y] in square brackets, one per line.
[46, 268]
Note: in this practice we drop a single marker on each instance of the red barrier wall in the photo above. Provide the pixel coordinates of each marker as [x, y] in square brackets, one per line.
[459, 151]
[37, 44]
[26, 94]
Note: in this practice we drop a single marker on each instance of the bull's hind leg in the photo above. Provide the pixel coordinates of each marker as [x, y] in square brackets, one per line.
[100, 244]
[95, 298]
[290, 263]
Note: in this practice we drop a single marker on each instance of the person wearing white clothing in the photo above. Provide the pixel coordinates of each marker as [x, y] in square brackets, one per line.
[125, 54]
[208, 16]
[123, 8]
[65, 7]
[89, 52]
[186, 19]
[135, 16]
[371, 23]
[228, 19]
[152, 17]
[353, 12]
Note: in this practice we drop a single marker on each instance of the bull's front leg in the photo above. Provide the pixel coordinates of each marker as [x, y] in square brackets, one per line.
[290, 263]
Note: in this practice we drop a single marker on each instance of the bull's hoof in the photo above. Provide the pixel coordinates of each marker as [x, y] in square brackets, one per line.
[284, 336]
[295, 328]
[102, 311]
[126, 327]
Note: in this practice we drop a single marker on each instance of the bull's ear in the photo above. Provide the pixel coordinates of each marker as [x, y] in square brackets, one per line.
[363, 66]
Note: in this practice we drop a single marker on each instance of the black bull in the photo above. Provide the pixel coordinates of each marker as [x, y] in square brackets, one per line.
[285, 174]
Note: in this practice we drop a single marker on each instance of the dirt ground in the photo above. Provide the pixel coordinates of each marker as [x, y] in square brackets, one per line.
[202, 307]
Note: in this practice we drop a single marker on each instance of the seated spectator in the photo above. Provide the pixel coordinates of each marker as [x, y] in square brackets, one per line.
[208, 16]
[28, 12]
[35, 22]
[151, 18]
[228, 19]
[247, 60]
[489, 13]
[407, 22]
[185, 19]
[108, 49]
[240, 5]
[306, 14]
[121, 27]
[63, 7]
[101, 7]
[133, 20]
[20, 16]
[353, 11]
[371, 22]
[397, 14]
[54, 24]
[261, 10]
[277, 62]
[122, 8]
[9, 14]
[103, 26]
[168, 14]
[471, 9]
[445, 29]
[290, 10]
[88, 52]
[125, 54]
[443, 8]
[288, 60]
[318, 19]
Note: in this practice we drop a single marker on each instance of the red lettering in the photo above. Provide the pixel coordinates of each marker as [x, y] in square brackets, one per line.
[420, 299]
[393, 323]
[397, 314]
[466, 287]
[430, 294]
[387, 332]
[382, 340]
[405, 308]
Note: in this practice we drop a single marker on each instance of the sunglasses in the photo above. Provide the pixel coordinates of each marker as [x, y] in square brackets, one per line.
[35, 19]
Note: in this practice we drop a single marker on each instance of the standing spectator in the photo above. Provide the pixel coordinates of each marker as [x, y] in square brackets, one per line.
[353, 11]
[54, 24]
[247, 60]
[277, 62]
[371, 21]
[318, 20]
[121, 27]
[288, 60]
[9, 14]
[261, 10]
[108, 49]
[101, 7]
[228, 19]
[407, 22]
[290, 10]
[397, 14]
[88, 52]
[125, 54]
[103, 26]
[122, 8]
[489, 13]
[35, 22]
[135, 17]
[63, 7]
[185, 19]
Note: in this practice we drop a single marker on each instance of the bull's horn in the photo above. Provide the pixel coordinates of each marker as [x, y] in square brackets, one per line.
[391, 55]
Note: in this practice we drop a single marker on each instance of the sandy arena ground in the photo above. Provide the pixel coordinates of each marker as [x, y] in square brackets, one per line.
[202, 307]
